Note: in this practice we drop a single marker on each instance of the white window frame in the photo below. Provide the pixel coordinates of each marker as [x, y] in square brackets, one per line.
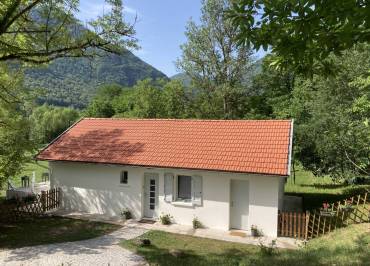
[192, 201]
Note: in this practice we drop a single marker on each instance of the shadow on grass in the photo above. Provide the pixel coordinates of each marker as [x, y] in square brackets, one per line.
[312, 200]
[195, 251]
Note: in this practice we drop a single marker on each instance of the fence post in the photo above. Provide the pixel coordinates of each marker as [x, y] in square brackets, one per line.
[59, 196]
[43, 200]
[306, 230]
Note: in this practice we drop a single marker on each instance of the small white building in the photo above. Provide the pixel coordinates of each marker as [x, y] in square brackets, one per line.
[227, 173]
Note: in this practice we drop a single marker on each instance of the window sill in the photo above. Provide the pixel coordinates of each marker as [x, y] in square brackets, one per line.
[183, 203]
[124, 185]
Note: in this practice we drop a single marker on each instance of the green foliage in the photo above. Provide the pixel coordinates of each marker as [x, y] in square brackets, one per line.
[166, 219]
[75, 81]
[215, 63]
[331, 113]
[147, 99]
[40, 31]
[332, 132]
[302, 34]
[48, 122]
[196, 223]
[15, 127]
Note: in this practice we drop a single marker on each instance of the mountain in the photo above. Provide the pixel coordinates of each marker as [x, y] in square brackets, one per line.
[186, 80]
[73, 81]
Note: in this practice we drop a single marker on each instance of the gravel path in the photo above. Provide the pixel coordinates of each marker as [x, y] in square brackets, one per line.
[102, 250]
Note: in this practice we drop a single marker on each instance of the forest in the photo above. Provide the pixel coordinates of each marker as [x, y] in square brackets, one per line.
[321, 83]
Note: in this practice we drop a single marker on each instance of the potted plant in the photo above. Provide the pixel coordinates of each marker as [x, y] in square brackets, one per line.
[326, 211]
[126, 213]
[166, 219]
[197, 224]
[255, 231]
[348, 206]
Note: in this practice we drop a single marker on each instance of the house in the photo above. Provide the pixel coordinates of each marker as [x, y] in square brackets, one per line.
[227, 173]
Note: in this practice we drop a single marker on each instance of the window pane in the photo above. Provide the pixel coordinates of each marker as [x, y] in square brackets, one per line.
[184, 187]
[124, 177]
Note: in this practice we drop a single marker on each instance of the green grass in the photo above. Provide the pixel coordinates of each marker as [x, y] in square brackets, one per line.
[39, 168]
[316, 190]
[349, 246]
[50, 230]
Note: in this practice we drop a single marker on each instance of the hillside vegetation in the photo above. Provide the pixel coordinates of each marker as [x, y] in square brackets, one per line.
[73, 81]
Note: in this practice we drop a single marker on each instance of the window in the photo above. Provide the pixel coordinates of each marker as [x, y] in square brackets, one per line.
[184, 187]
[124, 176]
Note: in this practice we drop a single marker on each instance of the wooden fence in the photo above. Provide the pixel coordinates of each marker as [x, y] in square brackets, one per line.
[340, 214]
[30, 206]
[319, 222]
[292, 224]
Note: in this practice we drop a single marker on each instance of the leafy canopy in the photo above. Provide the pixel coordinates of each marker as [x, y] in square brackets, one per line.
[214, 61]
[302, 33]
[39, 31]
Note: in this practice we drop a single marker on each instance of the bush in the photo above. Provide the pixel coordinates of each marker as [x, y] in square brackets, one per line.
[197, 224]
[126, 213]
[255, 231]
[268, 250]
[166, 219]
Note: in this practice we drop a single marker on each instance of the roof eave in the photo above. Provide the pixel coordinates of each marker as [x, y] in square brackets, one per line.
[290, 147]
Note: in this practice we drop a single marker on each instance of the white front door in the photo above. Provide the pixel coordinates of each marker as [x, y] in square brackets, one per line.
[150, 194]
[239, 204]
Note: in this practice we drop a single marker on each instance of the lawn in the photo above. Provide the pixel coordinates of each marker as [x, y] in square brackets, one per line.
[39, 168]
[348, 246]
[50, 230]
[316, 190]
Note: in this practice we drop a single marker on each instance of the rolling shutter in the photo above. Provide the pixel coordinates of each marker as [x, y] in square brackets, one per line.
[197, 190]
[168, 187]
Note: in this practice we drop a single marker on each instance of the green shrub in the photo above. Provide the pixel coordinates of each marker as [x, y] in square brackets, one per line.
[126, 213]
[197, 224]
[166, 219]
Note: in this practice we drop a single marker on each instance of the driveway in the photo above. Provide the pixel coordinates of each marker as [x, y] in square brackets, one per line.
[103, 250]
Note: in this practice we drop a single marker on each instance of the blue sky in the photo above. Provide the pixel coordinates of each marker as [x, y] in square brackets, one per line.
[160, 27]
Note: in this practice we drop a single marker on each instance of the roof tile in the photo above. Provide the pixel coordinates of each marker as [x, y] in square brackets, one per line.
[248, 146]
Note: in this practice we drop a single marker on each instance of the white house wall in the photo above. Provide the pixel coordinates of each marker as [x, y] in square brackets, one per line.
[95, 188]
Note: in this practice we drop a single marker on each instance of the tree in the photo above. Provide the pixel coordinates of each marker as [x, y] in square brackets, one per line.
[48, 122]
[147, 101]
[15, 127]
[102, 104]
[175, 100]
[39, 31]
[214, 61]
[302, 33]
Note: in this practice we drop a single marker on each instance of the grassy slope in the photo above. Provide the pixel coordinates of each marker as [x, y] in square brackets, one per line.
[316, 190]
[50, 230]
[349, 246]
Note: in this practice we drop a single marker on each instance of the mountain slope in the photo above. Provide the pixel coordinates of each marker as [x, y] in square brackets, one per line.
[73, 81]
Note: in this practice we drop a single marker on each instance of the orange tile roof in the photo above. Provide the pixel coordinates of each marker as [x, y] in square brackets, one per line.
[247, 146]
